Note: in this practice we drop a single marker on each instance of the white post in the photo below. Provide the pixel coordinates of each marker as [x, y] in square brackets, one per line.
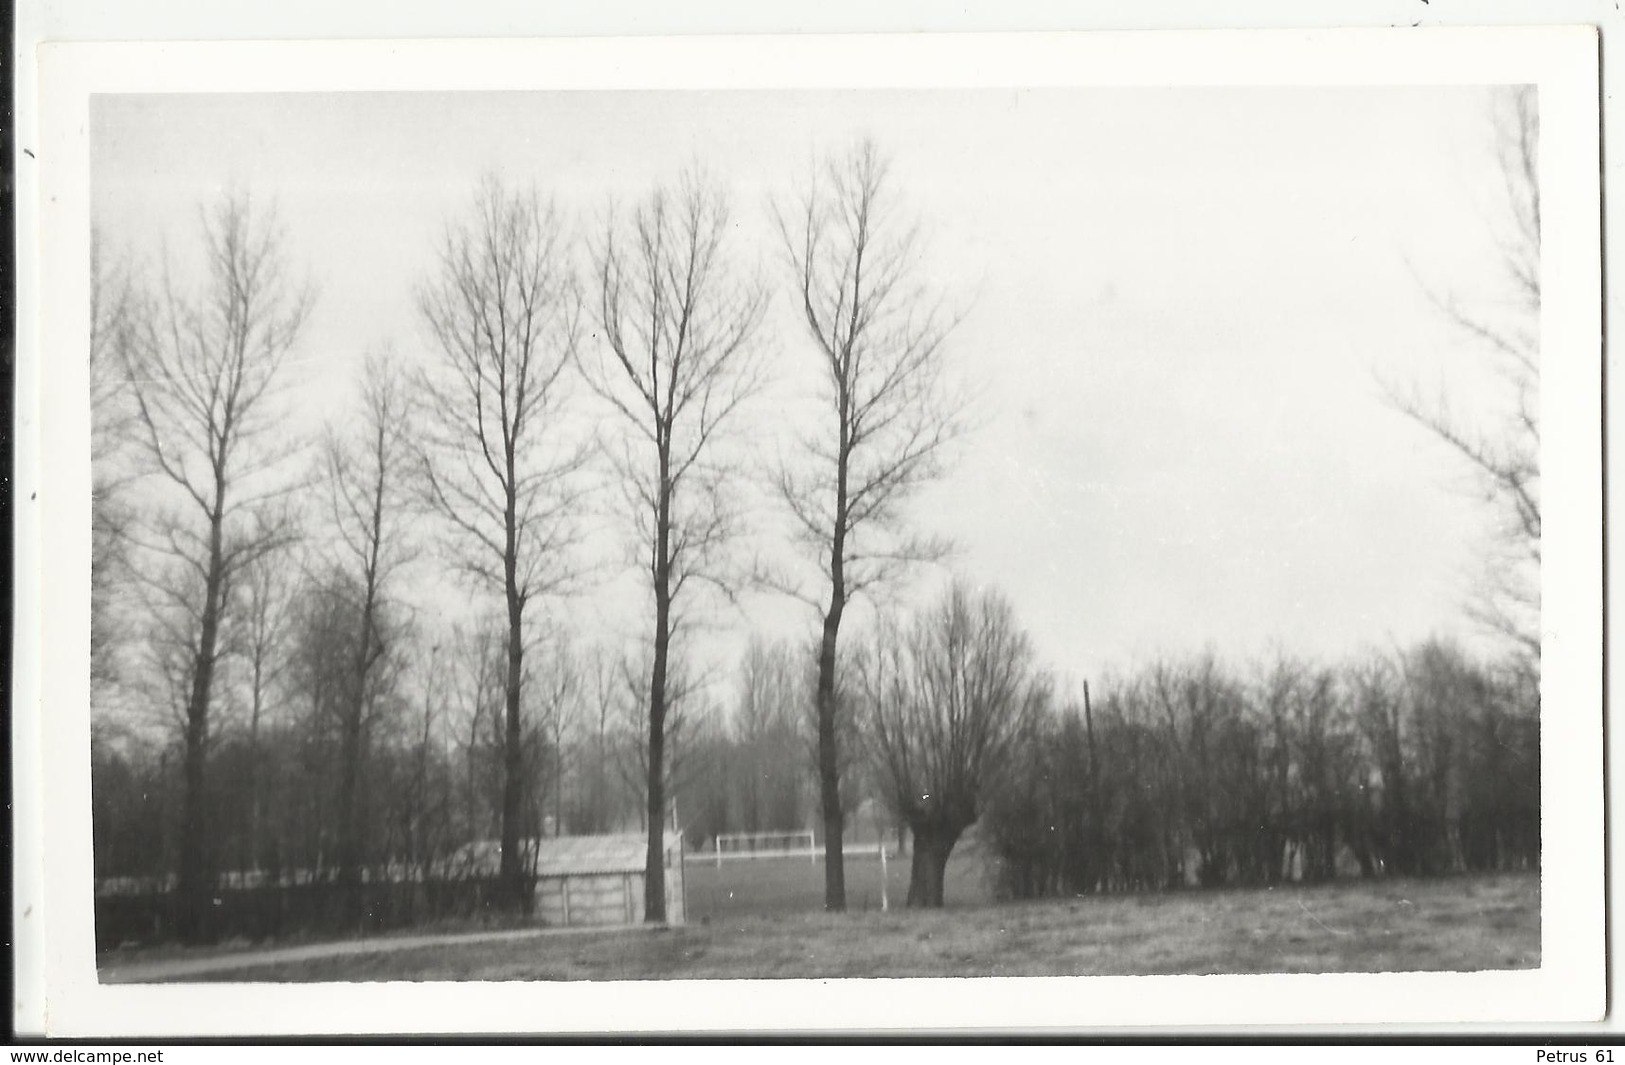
[682, 877]
[885, 903]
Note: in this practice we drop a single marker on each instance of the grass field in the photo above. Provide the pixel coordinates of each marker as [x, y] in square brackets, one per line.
[746, 888]
[1459, 923]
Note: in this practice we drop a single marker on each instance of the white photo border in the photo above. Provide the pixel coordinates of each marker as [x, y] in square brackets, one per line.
[51, 738]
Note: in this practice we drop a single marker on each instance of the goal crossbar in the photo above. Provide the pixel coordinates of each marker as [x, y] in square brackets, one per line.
[783, 844]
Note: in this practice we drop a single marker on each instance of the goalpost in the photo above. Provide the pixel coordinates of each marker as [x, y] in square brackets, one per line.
[784, 844]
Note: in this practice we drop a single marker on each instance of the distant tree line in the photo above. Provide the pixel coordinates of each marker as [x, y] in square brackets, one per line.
[430, 751]
[1191, 772]
[1184, 774]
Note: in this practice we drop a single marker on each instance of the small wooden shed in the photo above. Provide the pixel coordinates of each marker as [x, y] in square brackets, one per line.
[598, 880]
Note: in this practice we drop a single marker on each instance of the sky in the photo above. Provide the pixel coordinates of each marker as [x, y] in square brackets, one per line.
[1179, 306]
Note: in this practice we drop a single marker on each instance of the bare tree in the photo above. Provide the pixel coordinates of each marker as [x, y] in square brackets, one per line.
[945, 702]
[1504, 454]
[503, 311]
[680, 329]
[878, 334]
[203, 371]
[367, 464]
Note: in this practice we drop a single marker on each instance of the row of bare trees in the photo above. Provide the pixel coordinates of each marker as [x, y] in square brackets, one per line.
[1185, 773]
[257, 580]
[1193, 773]
[1416, 762]
[489, 435]
[423, 771]
[429, 754]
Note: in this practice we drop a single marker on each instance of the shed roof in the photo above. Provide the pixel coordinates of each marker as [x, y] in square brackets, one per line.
[565, 855]
[569, 855]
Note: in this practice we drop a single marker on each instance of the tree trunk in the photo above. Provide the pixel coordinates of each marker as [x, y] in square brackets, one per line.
[654, 866]
[829, 773]
[511, 872]
[192, 888]
[352, 753]
[932, 845]
[192, 884]
[350, 771]
[251, 850]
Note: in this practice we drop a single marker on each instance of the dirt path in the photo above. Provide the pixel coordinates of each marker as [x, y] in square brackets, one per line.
[171, 969]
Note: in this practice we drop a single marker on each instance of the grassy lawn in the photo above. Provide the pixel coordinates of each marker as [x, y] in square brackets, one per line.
[1458, 923]
[789, 885]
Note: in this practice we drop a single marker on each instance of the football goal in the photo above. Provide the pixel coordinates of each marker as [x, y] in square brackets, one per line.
[738, 845]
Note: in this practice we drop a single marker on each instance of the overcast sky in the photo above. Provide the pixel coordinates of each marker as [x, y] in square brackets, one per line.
[1179, 303]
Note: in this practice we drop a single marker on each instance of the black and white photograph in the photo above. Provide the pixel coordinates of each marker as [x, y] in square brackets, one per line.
[580, 533]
